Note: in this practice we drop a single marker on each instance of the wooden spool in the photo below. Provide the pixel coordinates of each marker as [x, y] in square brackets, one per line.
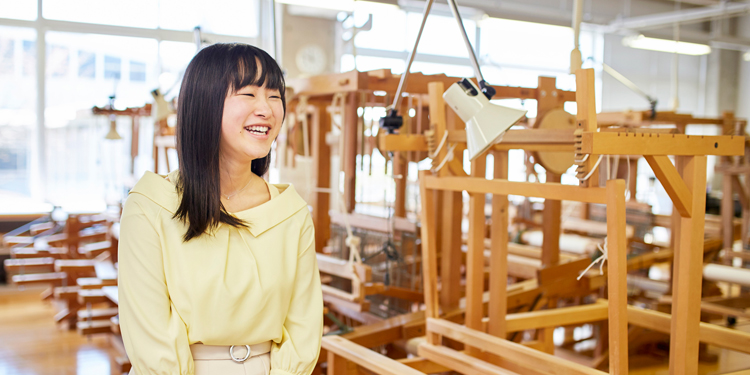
[555, 162]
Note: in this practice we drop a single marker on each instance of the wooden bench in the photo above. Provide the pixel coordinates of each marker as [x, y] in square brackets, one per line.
[32, 265]
[49, 252]
[93, 327]
[97, 314]
[52, 278]
[94, 282]
[94, 249]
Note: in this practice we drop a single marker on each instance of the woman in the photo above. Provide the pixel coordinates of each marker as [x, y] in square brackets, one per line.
[217, 271]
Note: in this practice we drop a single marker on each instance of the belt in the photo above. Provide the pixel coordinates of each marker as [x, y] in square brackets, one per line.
[237, 353]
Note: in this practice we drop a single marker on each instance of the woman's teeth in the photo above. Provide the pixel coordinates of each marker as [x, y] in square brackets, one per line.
[258, 129]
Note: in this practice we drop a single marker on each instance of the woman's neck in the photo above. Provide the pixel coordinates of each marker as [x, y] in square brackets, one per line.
[235, 176]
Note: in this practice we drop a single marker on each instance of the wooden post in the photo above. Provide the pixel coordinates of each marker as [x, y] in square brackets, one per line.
[349, 156]
[586, 103]
[400, 171]
[451, 213]
[688, 272]
[550, 251]
[727, 212]
[429, 254]
[617, 278]
[321, 165]
[499, 252]
[475, 255]
[551, 228]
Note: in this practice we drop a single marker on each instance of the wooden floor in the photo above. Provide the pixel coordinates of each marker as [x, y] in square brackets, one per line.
[31, 344]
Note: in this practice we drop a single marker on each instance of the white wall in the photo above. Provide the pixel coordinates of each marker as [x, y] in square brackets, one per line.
[651, 71]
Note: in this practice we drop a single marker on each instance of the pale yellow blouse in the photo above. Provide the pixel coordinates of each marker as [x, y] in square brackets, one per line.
[237, 286]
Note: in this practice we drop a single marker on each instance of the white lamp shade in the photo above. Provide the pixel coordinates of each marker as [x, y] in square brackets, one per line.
[113, 135]
[485, 122]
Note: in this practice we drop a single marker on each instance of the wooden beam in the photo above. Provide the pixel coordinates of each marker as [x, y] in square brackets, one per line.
[384, 332]
[460, 362]
[557, 317]
[424, 365]
[707, 333]
[672, 182]
[510, 351]
[622, 143]
[364, 357]
[528, 189]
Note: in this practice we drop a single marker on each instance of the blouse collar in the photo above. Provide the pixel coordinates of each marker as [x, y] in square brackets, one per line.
[284, 202]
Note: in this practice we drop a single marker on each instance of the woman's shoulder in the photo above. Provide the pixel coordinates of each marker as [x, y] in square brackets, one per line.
[155, 190]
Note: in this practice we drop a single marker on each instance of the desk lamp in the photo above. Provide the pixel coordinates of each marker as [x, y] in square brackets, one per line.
[485, 122]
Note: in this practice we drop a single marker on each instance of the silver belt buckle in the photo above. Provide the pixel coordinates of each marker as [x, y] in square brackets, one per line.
[239, 360]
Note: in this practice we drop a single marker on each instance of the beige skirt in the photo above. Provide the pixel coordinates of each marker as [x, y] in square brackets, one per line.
[217, 360]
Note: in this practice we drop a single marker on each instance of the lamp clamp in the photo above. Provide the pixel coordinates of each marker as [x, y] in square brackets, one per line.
[391, 122]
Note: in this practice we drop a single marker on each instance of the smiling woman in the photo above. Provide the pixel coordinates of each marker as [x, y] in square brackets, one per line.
[226, 88]
[217, 271]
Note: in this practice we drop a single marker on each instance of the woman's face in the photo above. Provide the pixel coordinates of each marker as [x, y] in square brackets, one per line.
[251, 121]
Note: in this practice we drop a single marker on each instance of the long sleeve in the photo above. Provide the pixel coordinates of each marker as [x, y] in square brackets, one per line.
[155, 336]
[298, 351]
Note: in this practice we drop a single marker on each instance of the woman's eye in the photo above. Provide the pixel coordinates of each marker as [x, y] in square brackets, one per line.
[275, 96]
[250, 95]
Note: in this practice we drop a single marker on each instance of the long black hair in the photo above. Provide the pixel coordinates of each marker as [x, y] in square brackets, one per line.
[212, 73]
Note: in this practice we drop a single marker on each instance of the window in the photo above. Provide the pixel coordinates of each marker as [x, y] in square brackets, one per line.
[58, 61]
[229, 17]
[7, 54]
[137, 71]
[93, 166]
[20, 10]
[17, 113]
[86, 64]
[111, 67]
[133, 13]
[29, 57]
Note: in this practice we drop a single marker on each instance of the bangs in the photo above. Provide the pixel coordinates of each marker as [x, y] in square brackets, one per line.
[256, 69]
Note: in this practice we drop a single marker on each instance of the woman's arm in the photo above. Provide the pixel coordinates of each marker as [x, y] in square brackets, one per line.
[155, 336]
[298, 351]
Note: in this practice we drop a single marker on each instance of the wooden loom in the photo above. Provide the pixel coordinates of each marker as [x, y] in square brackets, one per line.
[689, 254]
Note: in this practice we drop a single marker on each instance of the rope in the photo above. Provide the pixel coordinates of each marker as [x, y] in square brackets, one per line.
[440, 146]
[448, 157]
[592, 169]
[602, 259]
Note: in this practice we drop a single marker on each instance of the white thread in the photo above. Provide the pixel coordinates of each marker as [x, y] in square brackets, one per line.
[351, 241]
[592, 169]
[602, 259]
[440, 146]
[448, 157]
[585, 157]
[627, 180]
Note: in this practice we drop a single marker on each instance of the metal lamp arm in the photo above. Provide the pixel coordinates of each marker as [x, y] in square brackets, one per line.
[402, 82]
[488, 90]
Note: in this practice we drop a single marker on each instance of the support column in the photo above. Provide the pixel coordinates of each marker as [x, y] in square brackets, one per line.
[617, 278]
[321, 164]
[688, 274]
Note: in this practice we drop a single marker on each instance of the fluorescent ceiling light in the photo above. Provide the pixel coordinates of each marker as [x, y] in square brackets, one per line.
[746, 56]
[663, 45]
[343, 5]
